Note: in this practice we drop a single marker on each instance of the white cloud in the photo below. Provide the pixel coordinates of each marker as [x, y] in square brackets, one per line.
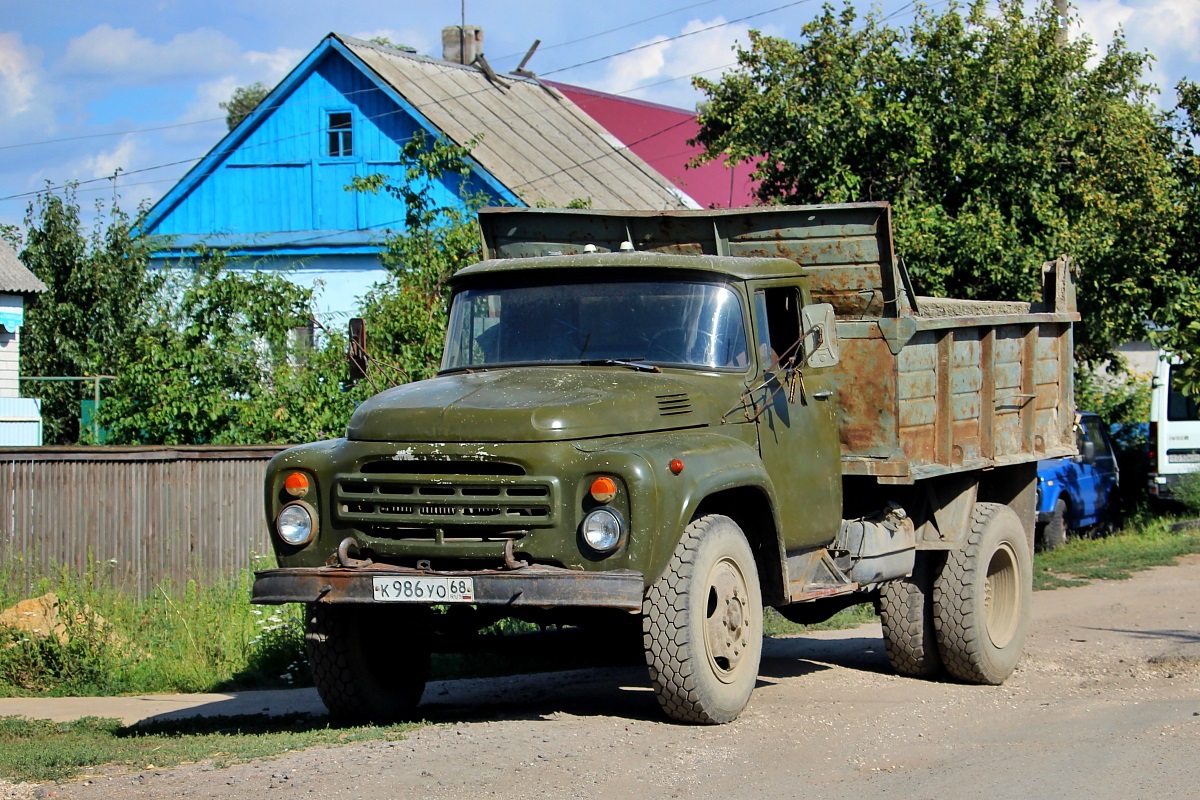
[28, 100]
[1168, 29]
[122, 54]
[271, 67]
[700, 50]
[106, 162]
[18, 77]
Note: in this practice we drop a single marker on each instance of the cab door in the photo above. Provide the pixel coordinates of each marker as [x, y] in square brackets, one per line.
[795, 407]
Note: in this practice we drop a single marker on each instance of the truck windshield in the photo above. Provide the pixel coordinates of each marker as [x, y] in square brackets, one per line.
[679, 323]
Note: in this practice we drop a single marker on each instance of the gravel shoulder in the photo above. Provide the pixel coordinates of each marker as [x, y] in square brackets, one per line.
[1104, 704]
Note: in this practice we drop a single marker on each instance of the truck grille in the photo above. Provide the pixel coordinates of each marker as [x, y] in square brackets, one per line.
[372, 500]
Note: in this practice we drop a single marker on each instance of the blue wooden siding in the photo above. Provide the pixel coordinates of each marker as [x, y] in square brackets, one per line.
[281, 179]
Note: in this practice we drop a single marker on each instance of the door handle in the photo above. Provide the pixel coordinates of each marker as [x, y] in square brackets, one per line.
[824, 394]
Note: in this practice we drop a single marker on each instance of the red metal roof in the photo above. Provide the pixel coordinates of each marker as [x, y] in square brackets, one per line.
[660, 134]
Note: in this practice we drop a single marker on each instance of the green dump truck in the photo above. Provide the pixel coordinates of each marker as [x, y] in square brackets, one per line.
[683, 418]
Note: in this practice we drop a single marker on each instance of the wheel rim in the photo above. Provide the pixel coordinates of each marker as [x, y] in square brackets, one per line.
[1002, 600]
[727, 620]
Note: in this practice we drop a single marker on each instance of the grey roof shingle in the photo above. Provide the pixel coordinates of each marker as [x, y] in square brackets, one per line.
[14, 276]
[533, 139]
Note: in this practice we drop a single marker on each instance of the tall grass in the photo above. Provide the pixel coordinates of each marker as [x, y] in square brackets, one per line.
[1147, 542]
[194, 638]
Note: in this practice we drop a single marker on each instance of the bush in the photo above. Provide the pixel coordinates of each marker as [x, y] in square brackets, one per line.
[1187, 492]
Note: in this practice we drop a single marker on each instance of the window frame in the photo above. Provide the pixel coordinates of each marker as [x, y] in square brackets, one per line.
[342, 135]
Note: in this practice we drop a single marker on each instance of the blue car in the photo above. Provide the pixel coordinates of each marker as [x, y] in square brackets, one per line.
[1077, 495]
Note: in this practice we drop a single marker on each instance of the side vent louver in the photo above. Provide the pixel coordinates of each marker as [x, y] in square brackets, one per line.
[670, 405]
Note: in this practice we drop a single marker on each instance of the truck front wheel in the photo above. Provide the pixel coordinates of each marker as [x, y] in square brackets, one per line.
[981, 598]
[369, 664]
[702, 624]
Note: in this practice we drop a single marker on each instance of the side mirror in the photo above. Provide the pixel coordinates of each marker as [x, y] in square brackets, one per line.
[1087, 453]
[820, 343]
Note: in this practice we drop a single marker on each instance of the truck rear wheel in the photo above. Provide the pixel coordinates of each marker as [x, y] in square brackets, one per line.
[702, 625]
[906, 613]
[369, 664]
[981, 598]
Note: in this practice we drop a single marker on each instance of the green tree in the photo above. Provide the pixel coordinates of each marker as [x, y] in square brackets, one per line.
[92, 311]
[242, 103]
[218, 364]
[998, 146]
[1178, 328]
[11, 234]
[406, 314]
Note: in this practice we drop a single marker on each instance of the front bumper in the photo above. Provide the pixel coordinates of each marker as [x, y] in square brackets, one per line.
[536, 586]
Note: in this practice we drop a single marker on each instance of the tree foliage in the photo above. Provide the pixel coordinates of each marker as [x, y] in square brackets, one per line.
[206, 351]
[406, 314]
[202, 354]
[90, 315]
[219, 363]
[242, 103]
[1178, 324]
[998, 146]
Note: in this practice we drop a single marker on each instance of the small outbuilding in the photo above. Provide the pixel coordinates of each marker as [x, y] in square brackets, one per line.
[20, 417]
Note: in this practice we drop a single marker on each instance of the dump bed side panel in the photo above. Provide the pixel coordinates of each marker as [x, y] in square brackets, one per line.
[958, 395]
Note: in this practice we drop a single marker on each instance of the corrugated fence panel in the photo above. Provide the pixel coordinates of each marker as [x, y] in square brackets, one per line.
[135, 516]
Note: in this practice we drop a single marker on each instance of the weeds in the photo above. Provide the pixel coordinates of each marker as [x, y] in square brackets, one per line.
[203, 638]
[1187, 491]
[1079, 561]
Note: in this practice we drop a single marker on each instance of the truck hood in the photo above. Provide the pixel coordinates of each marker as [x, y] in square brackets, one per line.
[537, 404]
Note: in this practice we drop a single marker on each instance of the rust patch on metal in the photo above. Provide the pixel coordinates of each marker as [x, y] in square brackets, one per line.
[866, 392]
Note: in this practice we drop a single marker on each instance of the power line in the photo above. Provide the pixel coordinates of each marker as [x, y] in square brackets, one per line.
[168, 127]
[113, 133]
[614, 30]
[482, 89]
[307, 132]
[677, 37]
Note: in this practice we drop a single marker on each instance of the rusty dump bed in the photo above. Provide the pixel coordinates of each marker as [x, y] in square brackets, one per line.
[926, 385]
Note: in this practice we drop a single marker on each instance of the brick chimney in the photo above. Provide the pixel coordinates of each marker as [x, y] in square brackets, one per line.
[462, 43]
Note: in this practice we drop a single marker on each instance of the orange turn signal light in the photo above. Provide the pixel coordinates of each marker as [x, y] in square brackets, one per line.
[296, 484]
[604, 489]
[676, 466]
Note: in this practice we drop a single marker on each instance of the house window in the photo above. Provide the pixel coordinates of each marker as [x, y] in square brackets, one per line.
[340, 134]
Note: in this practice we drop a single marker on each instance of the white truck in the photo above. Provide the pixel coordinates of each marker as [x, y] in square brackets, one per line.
[1174, 429]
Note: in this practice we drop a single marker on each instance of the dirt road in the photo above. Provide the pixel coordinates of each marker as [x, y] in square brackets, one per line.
[1105, 704]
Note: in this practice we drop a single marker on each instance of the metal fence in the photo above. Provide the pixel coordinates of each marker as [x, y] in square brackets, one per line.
[138, 516]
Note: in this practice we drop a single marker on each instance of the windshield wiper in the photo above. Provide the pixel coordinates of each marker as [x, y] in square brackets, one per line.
[635, 364]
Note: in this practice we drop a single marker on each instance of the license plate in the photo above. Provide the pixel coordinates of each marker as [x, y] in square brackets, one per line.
[423, 590]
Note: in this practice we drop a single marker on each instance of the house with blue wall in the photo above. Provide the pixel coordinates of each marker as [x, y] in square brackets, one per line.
[272, 193]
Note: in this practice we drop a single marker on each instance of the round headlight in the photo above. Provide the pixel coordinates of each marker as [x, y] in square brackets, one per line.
[294, 524]
[602, 530]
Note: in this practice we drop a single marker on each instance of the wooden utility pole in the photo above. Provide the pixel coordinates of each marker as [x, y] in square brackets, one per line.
[1061, 10]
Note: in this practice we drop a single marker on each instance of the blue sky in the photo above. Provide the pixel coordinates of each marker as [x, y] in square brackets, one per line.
[84, 83]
